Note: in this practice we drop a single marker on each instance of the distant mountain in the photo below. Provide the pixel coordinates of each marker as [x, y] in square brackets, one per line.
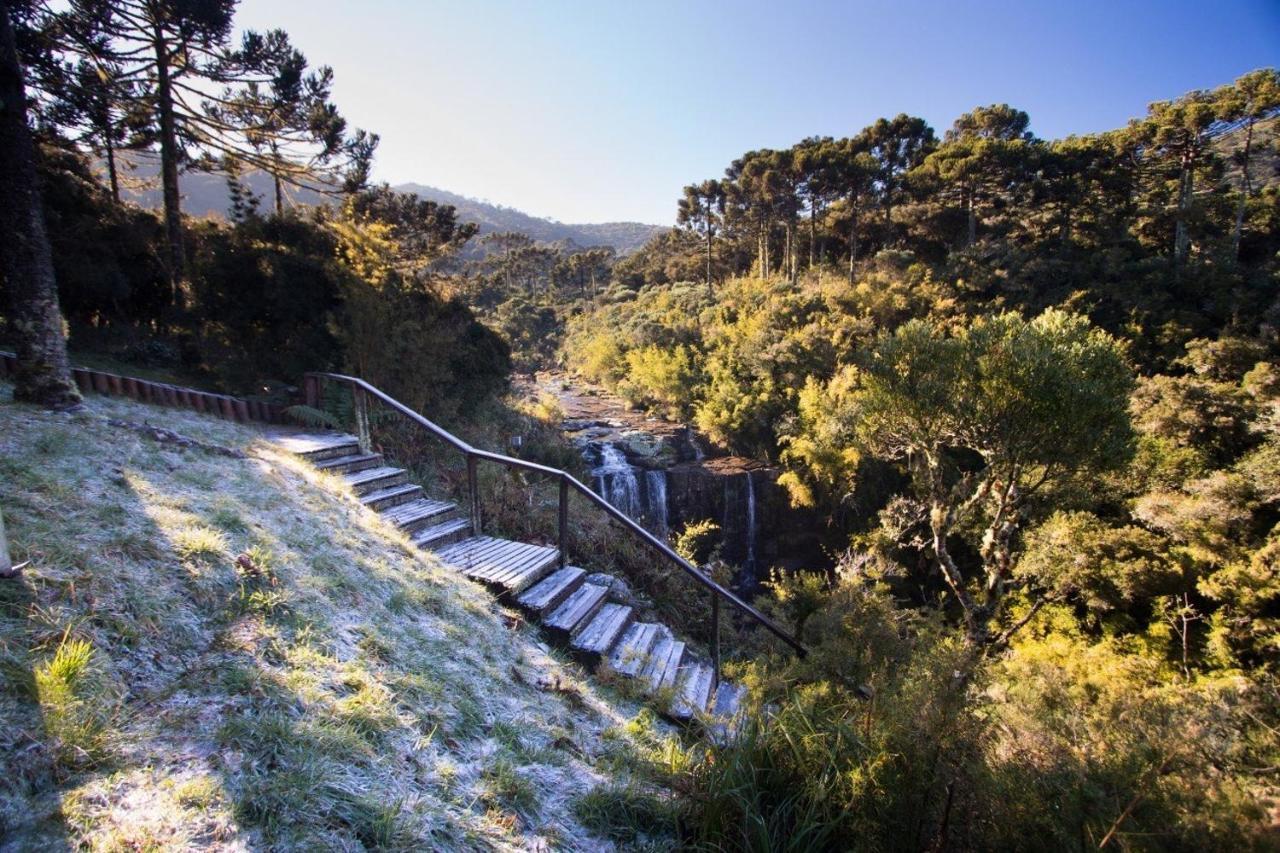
[206, 195]
[626, 237]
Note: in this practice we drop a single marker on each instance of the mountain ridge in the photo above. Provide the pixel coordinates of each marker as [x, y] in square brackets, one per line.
[206, 194]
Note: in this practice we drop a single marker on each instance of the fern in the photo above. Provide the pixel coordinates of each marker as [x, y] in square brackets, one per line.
[309, 416]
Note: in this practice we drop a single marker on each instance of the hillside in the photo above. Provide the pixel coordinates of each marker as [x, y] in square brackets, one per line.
[205, 194]
[1264, 154]
[625, 237]
[230, 653]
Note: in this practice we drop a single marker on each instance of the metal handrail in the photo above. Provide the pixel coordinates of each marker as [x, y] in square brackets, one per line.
[567, 481]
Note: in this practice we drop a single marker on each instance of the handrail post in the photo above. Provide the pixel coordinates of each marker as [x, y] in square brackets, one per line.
[362, 420]
[474, 493]
[564, 520]
[311, 390]
[715, 640]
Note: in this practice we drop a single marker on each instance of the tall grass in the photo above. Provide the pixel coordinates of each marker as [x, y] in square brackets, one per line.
[75, 702]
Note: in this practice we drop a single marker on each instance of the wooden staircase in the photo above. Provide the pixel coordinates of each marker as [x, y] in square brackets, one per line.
[575, 613]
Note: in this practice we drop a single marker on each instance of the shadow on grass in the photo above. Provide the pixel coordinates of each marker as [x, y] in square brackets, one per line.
[29, 771]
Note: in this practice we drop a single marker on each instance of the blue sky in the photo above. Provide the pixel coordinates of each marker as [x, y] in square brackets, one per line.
[594, 110]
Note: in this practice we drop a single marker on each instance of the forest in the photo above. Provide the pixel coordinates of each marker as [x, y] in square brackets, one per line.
[1031, 386]
[1029, 389]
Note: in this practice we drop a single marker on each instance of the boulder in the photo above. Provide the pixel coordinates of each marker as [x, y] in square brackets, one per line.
[619, 590]
[646, 450]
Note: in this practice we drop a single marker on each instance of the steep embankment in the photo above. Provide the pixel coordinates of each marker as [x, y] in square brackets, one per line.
[227, 651]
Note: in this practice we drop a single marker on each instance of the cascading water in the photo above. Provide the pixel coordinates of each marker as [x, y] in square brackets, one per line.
[751, 526]
[656, 486]
[616, 481]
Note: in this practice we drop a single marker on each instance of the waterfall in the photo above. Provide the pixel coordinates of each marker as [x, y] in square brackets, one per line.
[751, 526]
[656, 485]
[616, 481]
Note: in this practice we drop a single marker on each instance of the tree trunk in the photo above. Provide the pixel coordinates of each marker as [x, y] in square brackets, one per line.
[710, 290]
[853, 236]
[813, 231]
[275, 177]
[1245, 188]
[111, 164]
[973, 222]
[176, 259]
[44, 375]
[6, 564]
[790, 258]
[766, 267]
[1181, 239]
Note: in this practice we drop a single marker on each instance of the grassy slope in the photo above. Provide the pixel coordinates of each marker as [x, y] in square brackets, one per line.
[344, 691]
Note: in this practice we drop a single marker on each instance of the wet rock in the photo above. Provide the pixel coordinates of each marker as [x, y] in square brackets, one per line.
[619, 590]
[646, 450]
[580, 424]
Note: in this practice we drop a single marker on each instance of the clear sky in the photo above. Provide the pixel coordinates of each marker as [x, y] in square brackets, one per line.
[593, 110]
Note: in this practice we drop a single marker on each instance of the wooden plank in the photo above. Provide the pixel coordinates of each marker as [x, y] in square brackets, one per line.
[498, 564]
[550, 592]
[477, 562]
[525, 559]
[414, 512]
[429, 536]
[604, 630]
[369, 476]
[457, 548]
[310, 443]
[578, 608]
[380, 499]
[470, 549]
[693, 690]
[631, 654]
[476, 558]
[529, 574]
[529, 559]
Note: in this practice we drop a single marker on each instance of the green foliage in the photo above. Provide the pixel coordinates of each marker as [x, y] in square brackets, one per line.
[1064, 738]
[659, 379]
[1077, 555]
[697, 541]
[629, 815]
[76, 702]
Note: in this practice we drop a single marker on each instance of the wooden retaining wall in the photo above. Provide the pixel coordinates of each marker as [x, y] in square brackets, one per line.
[161, 394]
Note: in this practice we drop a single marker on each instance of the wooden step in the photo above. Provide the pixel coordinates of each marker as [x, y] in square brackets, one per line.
[599, 636]
[729, 698]
[578, 609]
[353, 462]
[509, 566]
[547, 594]
[726, 712]
[693, 691]
[392, 496]
[318, 446]
[373, 479]
[664, 665]
[631, 653]
[605, 630]
[415, 515]
[437, 536]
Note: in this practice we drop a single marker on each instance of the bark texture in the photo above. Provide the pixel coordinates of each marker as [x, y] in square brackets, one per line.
[43, 375]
